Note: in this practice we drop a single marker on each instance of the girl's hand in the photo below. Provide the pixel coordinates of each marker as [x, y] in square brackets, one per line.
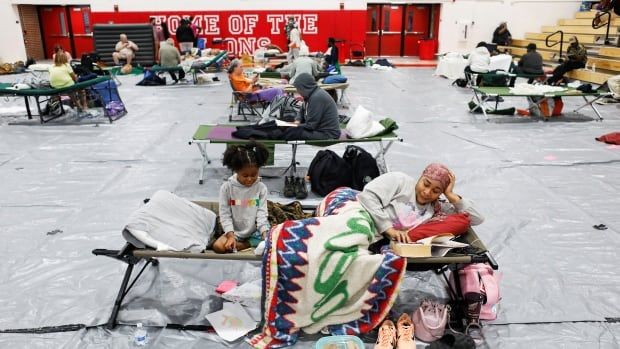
[231, 242]
[450, 187]
[398, 235]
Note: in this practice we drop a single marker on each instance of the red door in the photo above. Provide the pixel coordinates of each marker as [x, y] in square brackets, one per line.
[391, 30]
[81, 30]
[373, 25]
[55, 29]
[417, 22]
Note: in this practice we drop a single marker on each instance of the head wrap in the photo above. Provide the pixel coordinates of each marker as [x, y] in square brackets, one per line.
[439, 173]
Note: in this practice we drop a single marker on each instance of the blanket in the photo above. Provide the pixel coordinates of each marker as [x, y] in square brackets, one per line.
[168, 222]
[318, 272]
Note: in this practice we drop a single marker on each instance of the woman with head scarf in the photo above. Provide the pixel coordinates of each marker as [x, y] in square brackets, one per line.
[406, 210]
[576, 55]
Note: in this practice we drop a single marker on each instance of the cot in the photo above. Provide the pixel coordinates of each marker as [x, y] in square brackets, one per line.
[42, 95]
[222, 134]
[482, 96]
[196, 67]
[132, 256]
[342, 101]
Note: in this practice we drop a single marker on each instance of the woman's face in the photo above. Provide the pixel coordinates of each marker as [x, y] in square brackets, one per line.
[427, 190]
[238, 69]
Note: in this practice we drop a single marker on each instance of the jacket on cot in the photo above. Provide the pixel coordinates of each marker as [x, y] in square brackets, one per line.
[243, 209]
[390, 201]
[319, 113]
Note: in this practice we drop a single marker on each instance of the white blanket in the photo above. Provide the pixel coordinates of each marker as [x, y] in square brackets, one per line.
[169, 222]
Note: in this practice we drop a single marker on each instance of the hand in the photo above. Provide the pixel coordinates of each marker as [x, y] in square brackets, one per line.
[297, 122]
[255, 78]
[398, 235]
[231, 241]
[448, 191]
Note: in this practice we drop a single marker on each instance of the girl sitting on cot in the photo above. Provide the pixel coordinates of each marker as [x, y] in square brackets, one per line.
[407, 210]
[243, 199]
[240, 83]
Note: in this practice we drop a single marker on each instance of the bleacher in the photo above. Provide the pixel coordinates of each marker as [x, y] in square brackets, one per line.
[603, 60]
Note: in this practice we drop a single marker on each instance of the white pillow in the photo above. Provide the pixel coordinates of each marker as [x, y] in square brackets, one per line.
[361, 124]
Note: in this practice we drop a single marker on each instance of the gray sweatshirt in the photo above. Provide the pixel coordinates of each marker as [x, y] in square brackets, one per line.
[320, 112]
[243, 209]
[302, 65]
[385, 196]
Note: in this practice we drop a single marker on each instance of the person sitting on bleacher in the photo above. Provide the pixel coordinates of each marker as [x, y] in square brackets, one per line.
[169, 56]
[125, 49]
[501, 35]
[479, 61]
[577, 57]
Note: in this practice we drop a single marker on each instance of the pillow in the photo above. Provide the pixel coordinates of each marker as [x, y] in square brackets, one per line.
[335, 79]
[362, 125]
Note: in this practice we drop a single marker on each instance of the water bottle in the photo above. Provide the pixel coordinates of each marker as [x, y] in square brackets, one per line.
[594, 67]
[140, 337]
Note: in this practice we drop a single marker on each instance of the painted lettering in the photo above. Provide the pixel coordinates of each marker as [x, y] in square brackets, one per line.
[275, 21]
[235, 24]
[211, 25]
[173, 23]
[249, 22]
[309, 22]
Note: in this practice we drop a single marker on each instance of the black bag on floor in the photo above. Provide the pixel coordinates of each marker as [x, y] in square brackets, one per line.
[363, 166]
[328, 171]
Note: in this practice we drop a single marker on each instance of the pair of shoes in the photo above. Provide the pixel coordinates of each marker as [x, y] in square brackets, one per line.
[295, 187]
[399, 336]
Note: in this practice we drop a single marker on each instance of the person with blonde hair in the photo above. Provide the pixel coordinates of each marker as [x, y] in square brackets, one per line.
[125, 49]
[62, 75]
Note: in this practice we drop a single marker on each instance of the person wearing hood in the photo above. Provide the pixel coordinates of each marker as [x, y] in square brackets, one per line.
[479, 61]
[577, 56]
[303, 64]
[318, 118]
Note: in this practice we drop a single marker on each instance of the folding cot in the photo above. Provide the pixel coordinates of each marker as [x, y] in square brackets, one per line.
[453, 261]
[196, 67]
[222, 134]
[342, 101]
[482, 96]
[42, 95]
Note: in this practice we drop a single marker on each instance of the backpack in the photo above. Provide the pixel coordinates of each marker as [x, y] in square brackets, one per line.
[335, 79]
[363, 166]
[151, 79]
[480, 281]
[328, 171]
[285, 108]
[53, 107]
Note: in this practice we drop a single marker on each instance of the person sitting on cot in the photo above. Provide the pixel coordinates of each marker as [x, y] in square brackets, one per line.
[243, 199]
[242, 84]
[406, 210]
[318, 117]
[303, 64]
[61, 75]
[479, 61]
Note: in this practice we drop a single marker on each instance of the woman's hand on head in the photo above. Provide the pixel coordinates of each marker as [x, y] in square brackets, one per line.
[450, 186]
[398, 235]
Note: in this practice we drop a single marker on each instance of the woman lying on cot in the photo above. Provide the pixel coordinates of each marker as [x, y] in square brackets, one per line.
[407, 210]
[242, 84]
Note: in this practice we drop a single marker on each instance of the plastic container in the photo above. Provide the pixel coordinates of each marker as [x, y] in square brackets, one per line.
[427, 49]
[340, 342]
[140, 337]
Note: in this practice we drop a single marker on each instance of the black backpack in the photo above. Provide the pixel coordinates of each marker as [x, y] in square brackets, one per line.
[328, 171]
[460, 82]
[363, 166]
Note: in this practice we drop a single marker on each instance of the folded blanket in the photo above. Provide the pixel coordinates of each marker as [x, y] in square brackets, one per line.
[318, 272]
[169, 222]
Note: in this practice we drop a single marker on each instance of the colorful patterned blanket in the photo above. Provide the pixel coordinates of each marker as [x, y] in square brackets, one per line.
[318, 272]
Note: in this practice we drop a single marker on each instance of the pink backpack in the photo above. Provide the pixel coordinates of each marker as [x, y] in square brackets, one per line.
[430, 320]
[480, 278]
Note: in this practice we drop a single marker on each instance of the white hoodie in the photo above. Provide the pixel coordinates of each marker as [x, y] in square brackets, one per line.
[479, 60]
[243, 209]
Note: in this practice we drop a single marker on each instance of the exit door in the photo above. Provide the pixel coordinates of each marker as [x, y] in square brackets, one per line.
[67, 26]
[81, 30]
[416, 27]
[55, 29]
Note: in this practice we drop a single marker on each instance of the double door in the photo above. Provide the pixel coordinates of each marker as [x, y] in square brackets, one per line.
[395, 30]
[67, 26]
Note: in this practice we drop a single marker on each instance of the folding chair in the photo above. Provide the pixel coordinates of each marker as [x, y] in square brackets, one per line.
[245, 106]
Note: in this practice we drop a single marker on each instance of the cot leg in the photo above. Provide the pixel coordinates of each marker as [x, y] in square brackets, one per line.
[205, 161]
[119, 298]
[344, 100]
[381, 156]
[591, 104]
[28, 107]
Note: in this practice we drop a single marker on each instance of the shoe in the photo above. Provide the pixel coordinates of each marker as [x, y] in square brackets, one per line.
[387, 336]
[289, 187]
[405, 329]
[300, 188]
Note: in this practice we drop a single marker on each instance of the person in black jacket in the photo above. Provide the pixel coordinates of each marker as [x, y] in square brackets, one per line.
[501, 35]
[185, 37]
[331, 55]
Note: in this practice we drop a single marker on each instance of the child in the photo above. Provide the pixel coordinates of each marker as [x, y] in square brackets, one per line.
[243, 199]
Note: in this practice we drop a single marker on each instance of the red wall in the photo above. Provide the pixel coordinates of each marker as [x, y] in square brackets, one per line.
[252, 29]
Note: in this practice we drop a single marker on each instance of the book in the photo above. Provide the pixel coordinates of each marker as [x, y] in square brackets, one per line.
[433, 246]
[285, 123]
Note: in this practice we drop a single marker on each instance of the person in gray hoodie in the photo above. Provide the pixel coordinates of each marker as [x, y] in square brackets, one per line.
[318, 118]
[243, 199]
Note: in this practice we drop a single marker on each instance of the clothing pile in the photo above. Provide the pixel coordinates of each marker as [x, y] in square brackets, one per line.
[533, 90]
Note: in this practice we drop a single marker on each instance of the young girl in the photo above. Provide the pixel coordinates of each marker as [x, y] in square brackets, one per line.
[243, 199]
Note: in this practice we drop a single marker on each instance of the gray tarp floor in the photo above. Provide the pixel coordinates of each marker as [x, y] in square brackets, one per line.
[542, 186]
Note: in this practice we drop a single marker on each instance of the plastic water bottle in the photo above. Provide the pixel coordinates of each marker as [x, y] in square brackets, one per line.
[140, 337]
[594, 67]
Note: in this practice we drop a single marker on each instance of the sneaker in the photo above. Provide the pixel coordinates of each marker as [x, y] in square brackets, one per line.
[387, 336]
[289, 187]
[405, 333]
[300, 188]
